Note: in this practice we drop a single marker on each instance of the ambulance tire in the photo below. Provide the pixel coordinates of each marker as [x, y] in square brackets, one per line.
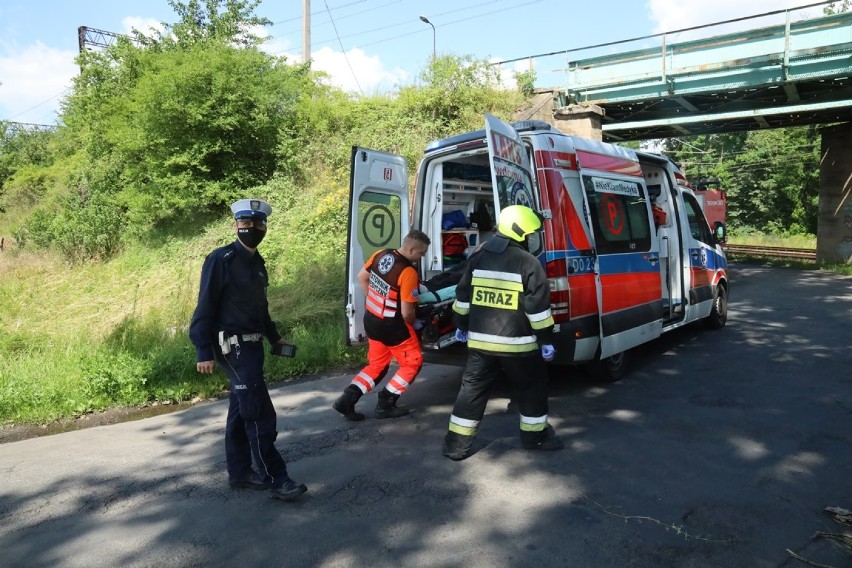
[719, 313]
[609, 370]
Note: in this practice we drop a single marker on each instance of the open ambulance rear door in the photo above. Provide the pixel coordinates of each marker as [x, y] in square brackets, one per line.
[378, 219]
[511, 172]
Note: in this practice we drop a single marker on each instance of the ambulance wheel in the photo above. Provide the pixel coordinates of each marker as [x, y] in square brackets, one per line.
[719, 313]
[608, 370]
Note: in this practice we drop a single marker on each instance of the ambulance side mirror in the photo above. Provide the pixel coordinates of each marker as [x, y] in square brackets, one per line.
[720, 233]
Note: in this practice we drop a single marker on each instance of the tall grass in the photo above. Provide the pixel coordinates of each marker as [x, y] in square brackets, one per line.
[86, 337]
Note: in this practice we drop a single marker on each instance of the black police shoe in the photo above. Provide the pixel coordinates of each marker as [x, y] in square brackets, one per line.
[289, 490]
[253, 481]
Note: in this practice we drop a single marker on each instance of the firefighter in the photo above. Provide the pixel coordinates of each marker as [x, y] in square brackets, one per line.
[228, 327]
[390, 283]
[502, 311]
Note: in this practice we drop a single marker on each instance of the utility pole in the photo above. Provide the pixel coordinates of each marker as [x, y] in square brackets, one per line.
[306, 31]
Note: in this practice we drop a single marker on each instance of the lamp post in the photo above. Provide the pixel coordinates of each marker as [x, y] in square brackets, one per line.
[426, 20]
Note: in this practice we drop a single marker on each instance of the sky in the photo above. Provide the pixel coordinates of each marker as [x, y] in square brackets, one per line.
[369, 46]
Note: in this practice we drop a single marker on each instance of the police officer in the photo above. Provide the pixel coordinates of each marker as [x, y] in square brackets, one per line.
[502, 311]
[228, 327]
[390, 284]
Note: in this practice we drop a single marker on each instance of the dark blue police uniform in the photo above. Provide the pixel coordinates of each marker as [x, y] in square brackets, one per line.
[232, 302]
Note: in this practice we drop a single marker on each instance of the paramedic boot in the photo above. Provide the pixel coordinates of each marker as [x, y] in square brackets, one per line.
[546, 440]
[345, 405]
[456, 446]
[387, 408]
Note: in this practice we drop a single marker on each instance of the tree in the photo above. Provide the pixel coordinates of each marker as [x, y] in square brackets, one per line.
[830, 9]
[171, 126]
[208, 23]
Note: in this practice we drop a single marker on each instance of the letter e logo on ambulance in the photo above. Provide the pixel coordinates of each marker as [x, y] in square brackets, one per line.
[612, 213]
[388, 174]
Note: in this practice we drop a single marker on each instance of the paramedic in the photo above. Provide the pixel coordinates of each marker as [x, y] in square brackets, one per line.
[502, 311]
[390, 282]
[228, 327]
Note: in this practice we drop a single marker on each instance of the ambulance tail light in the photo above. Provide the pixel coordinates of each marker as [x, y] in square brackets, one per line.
[557, 277]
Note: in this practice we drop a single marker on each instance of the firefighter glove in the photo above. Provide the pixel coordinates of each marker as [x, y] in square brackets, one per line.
[461, 336]
[547, 352]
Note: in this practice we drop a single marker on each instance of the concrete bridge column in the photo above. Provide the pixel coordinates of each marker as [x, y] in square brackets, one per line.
[834, 227]
[580, 120]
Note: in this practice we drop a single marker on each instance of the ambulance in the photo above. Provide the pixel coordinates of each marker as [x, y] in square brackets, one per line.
[627, 249]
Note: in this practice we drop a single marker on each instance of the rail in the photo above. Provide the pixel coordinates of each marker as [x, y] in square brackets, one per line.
[771, 252]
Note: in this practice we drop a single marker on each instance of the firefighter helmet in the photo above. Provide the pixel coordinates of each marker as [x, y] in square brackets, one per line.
[518, 221]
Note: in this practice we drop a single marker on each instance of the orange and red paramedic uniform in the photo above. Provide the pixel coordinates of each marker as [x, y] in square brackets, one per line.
[393, 280]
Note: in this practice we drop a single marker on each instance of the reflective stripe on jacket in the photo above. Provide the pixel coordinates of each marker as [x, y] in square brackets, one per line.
[383, 318]
[503, 300]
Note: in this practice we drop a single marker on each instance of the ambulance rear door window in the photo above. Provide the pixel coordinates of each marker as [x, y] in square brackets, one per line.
[619, 215]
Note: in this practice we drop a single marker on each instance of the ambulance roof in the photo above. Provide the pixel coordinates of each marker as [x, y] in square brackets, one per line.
[523, 126]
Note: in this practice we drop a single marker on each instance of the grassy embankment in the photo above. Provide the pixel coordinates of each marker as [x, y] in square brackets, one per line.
[86, 337]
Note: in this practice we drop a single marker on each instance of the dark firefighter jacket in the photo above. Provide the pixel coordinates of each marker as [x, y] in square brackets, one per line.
[503, 300]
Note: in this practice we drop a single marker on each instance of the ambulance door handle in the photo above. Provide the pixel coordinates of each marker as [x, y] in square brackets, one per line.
[653, 257]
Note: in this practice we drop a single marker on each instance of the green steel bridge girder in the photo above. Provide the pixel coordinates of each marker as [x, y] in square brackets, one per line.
[803, 66]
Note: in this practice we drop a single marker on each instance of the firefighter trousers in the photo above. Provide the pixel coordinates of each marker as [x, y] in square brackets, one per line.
[379, 355]
[528, 376]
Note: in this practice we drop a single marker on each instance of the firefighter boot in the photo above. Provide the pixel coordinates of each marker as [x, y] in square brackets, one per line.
[546, 440]
[456, 446]
[345, 405]
[387, 408]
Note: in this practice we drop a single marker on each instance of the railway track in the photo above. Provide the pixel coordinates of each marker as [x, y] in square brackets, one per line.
[771, 252]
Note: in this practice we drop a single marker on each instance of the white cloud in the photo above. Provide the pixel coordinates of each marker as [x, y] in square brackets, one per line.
[362, 70]
[678, 14]
[142, 25]
[33, 81]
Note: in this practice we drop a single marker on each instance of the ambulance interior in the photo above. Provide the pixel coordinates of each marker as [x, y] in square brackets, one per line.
[460, 216]
[464, 215]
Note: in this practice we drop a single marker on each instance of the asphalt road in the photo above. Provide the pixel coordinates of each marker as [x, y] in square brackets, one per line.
[720, 449]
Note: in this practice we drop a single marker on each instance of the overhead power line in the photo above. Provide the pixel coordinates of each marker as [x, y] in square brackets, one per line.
[354, 76]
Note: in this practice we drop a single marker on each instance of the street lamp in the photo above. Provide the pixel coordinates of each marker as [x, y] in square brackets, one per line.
[426, 20]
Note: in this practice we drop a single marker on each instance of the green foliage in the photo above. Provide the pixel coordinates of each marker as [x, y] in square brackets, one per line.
[771, 177]
[209, 24]
[831, 9]
[456, 90]
[80, 227]
[526, 82]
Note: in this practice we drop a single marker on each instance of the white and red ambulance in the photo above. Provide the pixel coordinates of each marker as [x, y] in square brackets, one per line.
[625, 243]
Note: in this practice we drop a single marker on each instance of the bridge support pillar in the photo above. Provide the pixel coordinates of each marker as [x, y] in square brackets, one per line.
[834, 226]
[580, 120]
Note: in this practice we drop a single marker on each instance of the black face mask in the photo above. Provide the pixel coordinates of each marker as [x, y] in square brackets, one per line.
[250, 236]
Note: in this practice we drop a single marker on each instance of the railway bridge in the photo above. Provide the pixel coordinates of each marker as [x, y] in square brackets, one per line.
[794, 73]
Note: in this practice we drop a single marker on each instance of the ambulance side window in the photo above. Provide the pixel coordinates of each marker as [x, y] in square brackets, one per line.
[619, 216]
[697, 222]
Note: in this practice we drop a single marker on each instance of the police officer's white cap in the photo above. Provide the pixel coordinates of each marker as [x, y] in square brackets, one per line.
[251, 209]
